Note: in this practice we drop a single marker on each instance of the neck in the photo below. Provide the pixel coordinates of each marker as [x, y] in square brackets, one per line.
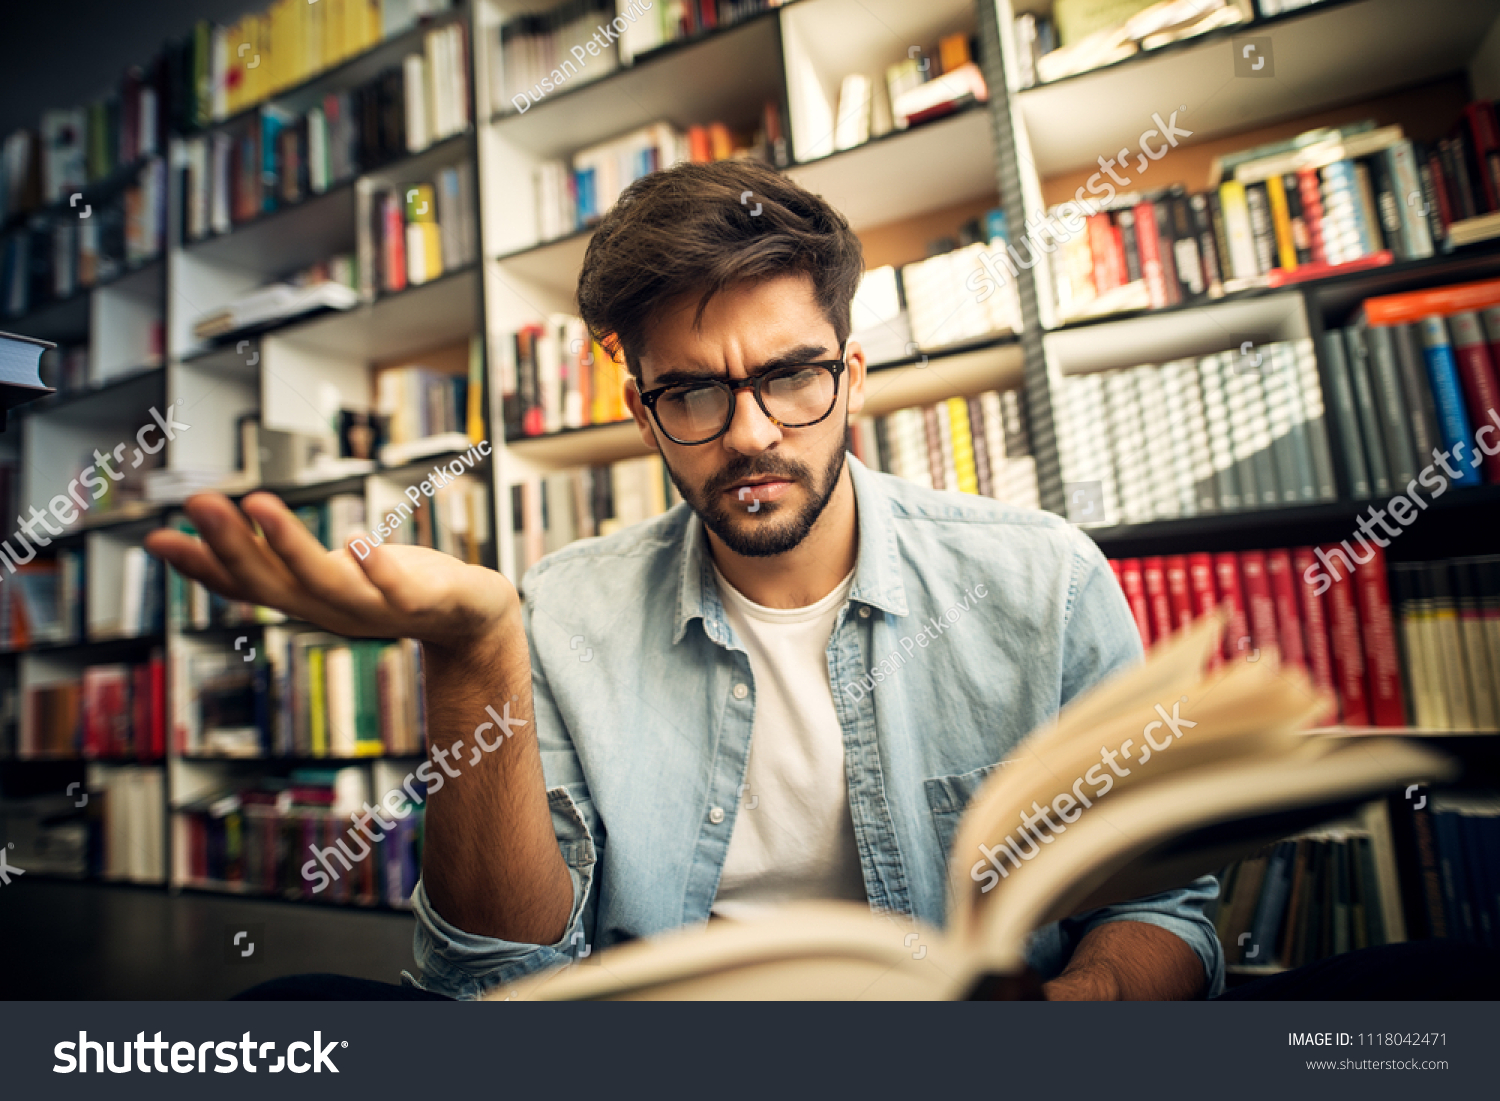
[809, 571]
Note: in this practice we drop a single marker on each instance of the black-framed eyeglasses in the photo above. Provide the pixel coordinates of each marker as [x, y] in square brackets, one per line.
[798, 395]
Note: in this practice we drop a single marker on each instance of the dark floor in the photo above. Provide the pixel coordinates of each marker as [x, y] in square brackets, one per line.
[68, 940]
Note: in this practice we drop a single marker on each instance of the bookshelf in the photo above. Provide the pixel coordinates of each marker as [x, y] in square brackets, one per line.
[1022, 150]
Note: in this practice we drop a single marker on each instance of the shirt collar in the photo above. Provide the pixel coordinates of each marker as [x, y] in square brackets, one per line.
[877, 567]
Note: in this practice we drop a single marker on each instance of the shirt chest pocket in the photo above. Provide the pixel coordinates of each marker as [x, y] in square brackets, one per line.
[948, 796]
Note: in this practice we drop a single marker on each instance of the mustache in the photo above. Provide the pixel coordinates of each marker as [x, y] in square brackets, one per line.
[792, 472]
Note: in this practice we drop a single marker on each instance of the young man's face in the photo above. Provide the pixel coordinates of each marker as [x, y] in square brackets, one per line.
[759, 487]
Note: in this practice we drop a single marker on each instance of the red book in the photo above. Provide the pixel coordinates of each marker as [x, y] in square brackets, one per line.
[140, 711]
[158, 706]
[1481, 390]
[1288, 617]
[1348, 651]
[1154, 570]
[1179, 591]
[1309, 187]
[1315, 622]
[393, 241]
[1204, 592]
[1117, 255]
[1134, 584]
[1227, 574]
[1280, 277]
[1258, 601]
[1147, 243]
[1482, 130]
[1440, 189]
[1100, 248]
[1387, 706]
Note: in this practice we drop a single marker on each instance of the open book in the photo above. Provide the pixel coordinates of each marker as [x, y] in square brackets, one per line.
[1161, 773]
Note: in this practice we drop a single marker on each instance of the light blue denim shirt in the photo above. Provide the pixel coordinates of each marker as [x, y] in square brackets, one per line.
[644, 704]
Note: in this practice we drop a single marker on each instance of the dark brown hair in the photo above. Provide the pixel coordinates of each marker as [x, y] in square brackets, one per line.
[694, 229]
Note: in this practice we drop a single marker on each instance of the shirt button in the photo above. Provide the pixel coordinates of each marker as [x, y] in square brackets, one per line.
[740, 692]
[864, 611]
[716, 815]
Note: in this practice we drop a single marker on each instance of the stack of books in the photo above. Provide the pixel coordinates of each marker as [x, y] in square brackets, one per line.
[1326, 201]
[1414, 375]
[1449, 617]
[963, 445]
[961, 295]
[1318, 607]
[419, 232]
[1080, 35]
[528, 53]
[573, 195]
[1456, 839]
[1224, 433]
[555, 376]
[259, 840]
[551, 511]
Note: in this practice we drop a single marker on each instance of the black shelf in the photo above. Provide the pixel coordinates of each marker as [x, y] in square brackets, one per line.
[94, 191]
[221, 888]
[83, 645]
[62, 399]
[80, 296]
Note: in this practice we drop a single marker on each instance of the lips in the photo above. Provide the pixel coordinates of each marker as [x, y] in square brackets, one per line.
[763, 489]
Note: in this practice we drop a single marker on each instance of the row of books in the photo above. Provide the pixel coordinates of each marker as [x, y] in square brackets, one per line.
[109, 826]
[530, 48]
[52, 256]
[218, 70]
[1220, 434]
[1302, 900]
[259, 840]
[421, 402]
[42, 602]
[914, 91]
[1280, 212]
[1457, 843]
[300, 693]
[333, 283]
[77, 147]
[275, 157]
[555, 376]
[455, 520]
[1080, 35]
[574, 194]
[1448, 613]
[420, 231]
[112, 712]
[1317, 607]
[551, 511]
[963, 445]
[1462, 177]
[650, 27]
[1412, 374]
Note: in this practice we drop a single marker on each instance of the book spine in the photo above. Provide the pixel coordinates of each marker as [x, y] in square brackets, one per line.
[1220, 440]
[1315, 623]
[1311, 195]
[1387, 703]
[1288, 617]
[1263, 233]
[1237, 637]
[1148, 241]
[1412, 366]
[1442, 372]
[1369, 418]
[1133, 582]
[1480, 388]
[1259, 603]
[1288, 376]
[1281, 224]
[1277, 382]
[1391, 404]
[1179, 591]
[1208, 245]
[1348, 653]
[1346, 415]
[1158, 601]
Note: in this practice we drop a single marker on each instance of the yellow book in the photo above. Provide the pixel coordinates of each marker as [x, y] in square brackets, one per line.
[317, 46]
[368, 22]
[260, 85]
[236, 70]
[963, 445]
[1281, 220]
[279, 15]
[335, 39]
[475, 412]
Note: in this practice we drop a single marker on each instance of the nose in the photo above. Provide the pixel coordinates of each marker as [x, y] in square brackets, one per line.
[751, 431]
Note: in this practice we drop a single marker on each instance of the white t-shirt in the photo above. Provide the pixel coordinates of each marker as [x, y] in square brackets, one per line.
[793, 837]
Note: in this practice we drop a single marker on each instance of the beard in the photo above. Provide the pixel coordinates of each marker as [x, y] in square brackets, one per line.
[777, 526]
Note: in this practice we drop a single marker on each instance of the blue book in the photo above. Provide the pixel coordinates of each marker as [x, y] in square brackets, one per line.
[1448, 398]
[995, 226]
[1272, 902]
[1456, 900]
[1481, 856]
[20, 371]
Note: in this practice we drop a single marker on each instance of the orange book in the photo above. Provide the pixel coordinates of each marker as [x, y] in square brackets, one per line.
[721, 142]
[1398, 309]
[699, 149]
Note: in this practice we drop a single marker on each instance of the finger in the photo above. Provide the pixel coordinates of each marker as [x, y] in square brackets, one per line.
[384, 571]
[333, 578]
[189, 557]
[244, 555]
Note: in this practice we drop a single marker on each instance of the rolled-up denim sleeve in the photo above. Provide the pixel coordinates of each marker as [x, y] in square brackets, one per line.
[466, 965]
[1182, 912]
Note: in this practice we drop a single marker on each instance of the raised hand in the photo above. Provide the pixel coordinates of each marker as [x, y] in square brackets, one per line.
[394, 592]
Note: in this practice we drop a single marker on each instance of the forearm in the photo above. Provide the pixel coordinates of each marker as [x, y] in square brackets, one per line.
[1129, 961]
[490, 862]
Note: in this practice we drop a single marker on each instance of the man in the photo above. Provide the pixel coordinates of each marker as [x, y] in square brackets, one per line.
[704, 731]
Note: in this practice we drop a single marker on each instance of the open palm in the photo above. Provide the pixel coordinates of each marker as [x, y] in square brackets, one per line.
[394, 592]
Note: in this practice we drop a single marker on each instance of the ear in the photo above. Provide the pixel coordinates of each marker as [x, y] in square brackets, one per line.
[642, 415]
[855, 373]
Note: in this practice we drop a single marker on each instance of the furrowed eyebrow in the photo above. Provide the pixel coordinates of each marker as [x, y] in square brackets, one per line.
[803, 353]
